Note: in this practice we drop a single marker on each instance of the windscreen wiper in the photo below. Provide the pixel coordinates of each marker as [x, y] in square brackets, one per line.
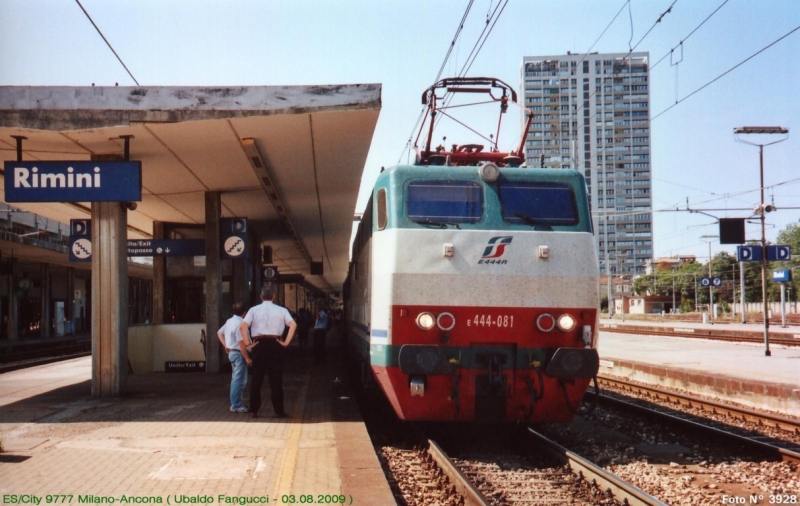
[533, 221]
[528, 219]
[436, 224]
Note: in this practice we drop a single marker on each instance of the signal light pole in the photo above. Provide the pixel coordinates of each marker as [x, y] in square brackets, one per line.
[762, 209]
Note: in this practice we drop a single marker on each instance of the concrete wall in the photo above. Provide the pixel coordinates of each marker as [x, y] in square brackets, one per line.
[149, 346]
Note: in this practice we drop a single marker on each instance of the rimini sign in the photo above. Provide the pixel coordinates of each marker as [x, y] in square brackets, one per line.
[73, 181]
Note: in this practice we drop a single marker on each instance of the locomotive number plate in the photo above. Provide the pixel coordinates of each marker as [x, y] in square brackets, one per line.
[487, 320]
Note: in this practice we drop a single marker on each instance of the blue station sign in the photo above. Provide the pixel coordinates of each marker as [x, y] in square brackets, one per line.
[166, 247]
[779, 253]
[782, 276]
[748, 253]
[73, 181]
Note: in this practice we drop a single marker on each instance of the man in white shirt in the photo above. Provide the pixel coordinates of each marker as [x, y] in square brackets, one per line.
[267, 322]
[235, 347]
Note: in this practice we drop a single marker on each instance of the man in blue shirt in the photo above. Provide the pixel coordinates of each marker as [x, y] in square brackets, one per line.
[320, 328]
[235, 347]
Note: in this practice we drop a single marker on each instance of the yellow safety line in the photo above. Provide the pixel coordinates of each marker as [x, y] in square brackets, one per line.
[283, 484]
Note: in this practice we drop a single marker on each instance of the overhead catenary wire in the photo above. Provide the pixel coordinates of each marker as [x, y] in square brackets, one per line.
[727, 71]
[407, 147]
[491, 22]
[107, 42]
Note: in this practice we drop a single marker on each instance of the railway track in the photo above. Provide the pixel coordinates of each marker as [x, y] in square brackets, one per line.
[788, 451]
[570, 480]
[716, 334]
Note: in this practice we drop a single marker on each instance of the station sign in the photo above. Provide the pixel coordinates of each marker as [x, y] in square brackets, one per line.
[707, 281]
[269, 273]
[233, 240]
[782, 276]
[748, 253]
[80, 241]
[166, 247]
[779, 253]
[76, 181]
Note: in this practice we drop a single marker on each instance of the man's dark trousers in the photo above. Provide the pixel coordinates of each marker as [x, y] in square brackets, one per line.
[267, 358]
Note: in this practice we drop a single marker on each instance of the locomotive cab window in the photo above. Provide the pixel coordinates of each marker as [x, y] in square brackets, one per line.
[436, 202]
[383, 215]
[541, 205]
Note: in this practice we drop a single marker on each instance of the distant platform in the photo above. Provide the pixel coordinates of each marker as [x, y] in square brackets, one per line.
[736, 372]
[173, 436]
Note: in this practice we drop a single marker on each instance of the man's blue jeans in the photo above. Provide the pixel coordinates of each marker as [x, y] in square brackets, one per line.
[239, 378]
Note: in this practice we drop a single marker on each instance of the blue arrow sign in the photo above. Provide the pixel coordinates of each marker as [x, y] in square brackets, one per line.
[779, 253]
[166, 247]
[748, 253]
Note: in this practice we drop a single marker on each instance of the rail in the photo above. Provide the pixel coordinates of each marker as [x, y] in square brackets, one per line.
[791, 454]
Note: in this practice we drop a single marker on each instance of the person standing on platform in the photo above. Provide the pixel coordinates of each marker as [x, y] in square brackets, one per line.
[303, 326]
[267, 322]
[236, 348]
[320, 329]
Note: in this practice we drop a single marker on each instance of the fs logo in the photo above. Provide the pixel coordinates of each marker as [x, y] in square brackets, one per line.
[495, 249]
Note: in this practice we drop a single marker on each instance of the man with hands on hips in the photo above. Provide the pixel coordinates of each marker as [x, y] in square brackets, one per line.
[266, 322]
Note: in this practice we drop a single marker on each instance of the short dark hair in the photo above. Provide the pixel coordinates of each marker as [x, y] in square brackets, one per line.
[267, 292]
[237, 308]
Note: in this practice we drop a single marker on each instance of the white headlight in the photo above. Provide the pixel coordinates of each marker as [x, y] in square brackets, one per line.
[566, 322]
[425, 321]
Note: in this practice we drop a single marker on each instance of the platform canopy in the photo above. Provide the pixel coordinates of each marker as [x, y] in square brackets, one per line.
[289, 158]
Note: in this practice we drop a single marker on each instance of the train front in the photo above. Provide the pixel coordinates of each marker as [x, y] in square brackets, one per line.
[484, 293]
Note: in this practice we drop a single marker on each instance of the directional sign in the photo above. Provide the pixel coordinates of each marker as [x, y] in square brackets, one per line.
[73, 181]
[270, 273]
[234, 238]
[748, 253]
[779, 253]
[80, 241]
[166, 247]
[782, 276]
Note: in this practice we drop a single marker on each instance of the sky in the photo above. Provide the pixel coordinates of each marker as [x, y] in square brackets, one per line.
[695, 159]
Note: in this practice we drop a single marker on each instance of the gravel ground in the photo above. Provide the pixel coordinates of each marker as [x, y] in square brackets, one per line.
[675, 466]
[745, 425]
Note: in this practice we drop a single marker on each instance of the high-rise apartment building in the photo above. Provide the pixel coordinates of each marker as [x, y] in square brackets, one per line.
[591, 112]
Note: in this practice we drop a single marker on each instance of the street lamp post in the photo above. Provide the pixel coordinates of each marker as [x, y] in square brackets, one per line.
[761, 210]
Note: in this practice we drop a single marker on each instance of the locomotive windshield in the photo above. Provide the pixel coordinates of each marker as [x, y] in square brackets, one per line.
[449, 201]
[545, 204]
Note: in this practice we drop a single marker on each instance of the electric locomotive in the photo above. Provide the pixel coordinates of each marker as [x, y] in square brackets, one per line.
[472, 292]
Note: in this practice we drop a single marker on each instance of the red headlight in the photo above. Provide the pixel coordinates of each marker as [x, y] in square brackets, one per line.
[545, 322]
[446, 321]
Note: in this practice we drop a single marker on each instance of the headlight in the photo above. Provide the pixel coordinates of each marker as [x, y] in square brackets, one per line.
[425, 321]
[545, 322]
[566, 323]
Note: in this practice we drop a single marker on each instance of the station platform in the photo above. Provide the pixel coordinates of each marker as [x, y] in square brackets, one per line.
[172, 440]
[734, 372]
